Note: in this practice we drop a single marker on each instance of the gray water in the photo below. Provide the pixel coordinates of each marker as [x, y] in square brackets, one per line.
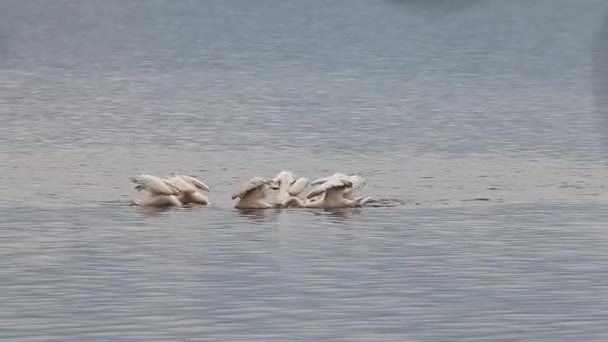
[479, 125]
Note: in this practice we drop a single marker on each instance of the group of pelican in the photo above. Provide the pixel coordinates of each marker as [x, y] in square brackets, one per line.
[336, 191]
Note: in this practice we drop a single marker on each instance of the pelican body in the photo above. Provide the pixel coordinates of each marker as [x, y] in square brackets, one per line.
[282, 182]
[328, 195]
[251, 195]
[161, 192]
[191, 189]
[288, 187]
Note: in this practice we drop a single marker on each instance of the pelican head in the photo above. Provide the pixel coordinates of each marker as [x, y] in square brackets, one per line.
[283, 179]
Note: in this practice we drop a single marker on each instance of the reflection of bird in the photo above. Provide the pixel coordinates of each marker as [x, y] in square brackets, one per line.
[162, 193]
[191, 189]
[251, 194]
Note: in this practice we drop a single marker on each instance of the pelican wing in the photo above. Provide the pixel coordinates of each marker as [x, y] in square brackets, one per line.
[332, 184]
[336, 175]
[250, 185]
[298, 186]
[181, 183]
[196, 182]
[154, 185]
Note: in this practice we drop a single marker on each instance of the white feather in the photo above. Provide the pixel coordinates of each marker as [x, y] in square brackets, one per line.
[332, 184]
[155, 185]
[298, 186]
[194, 182]
[284, 176]
[250, 185]
[322, 180]
[181, 184]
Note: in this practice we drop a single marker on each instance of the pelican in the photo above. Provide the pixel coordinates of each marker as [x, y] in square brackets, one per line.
[189, 189]
[282, 182]
[251, 194]
[288, 186]
[331, 195]
[357, 183]
[162, 193]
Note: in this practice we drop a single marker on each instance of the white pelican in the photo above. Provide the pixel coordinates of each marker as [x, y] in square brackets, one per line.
[357, 184]
[331, 193]
[251, 194]
[189, 189]
[288, 187]
[282, 182]
[162, 193]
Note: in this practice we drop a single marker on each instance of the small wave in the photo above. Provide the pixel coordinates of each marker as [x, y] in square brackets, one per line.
[385, 203]
[124, 202]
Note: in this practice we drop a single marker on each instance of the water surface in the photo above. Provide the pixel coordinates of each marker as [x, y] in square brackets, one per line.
[480, 122]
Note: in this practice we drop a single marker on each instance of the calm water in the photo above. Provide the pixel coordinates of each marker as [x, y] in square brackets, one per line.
[481, 122]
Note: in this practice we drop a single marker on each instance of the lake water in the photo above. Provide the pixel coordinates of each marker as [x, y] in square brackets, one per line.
[479, 125]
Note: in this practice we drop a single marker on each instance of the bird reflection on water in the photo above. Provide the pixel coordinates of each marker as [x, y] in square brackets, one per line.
[253, 214]
[340, 213]
[153, 211]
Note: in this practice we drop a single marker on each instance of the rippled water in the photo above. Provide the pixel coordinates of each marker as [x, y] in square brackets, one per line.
[493, 273]
[479, 125]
